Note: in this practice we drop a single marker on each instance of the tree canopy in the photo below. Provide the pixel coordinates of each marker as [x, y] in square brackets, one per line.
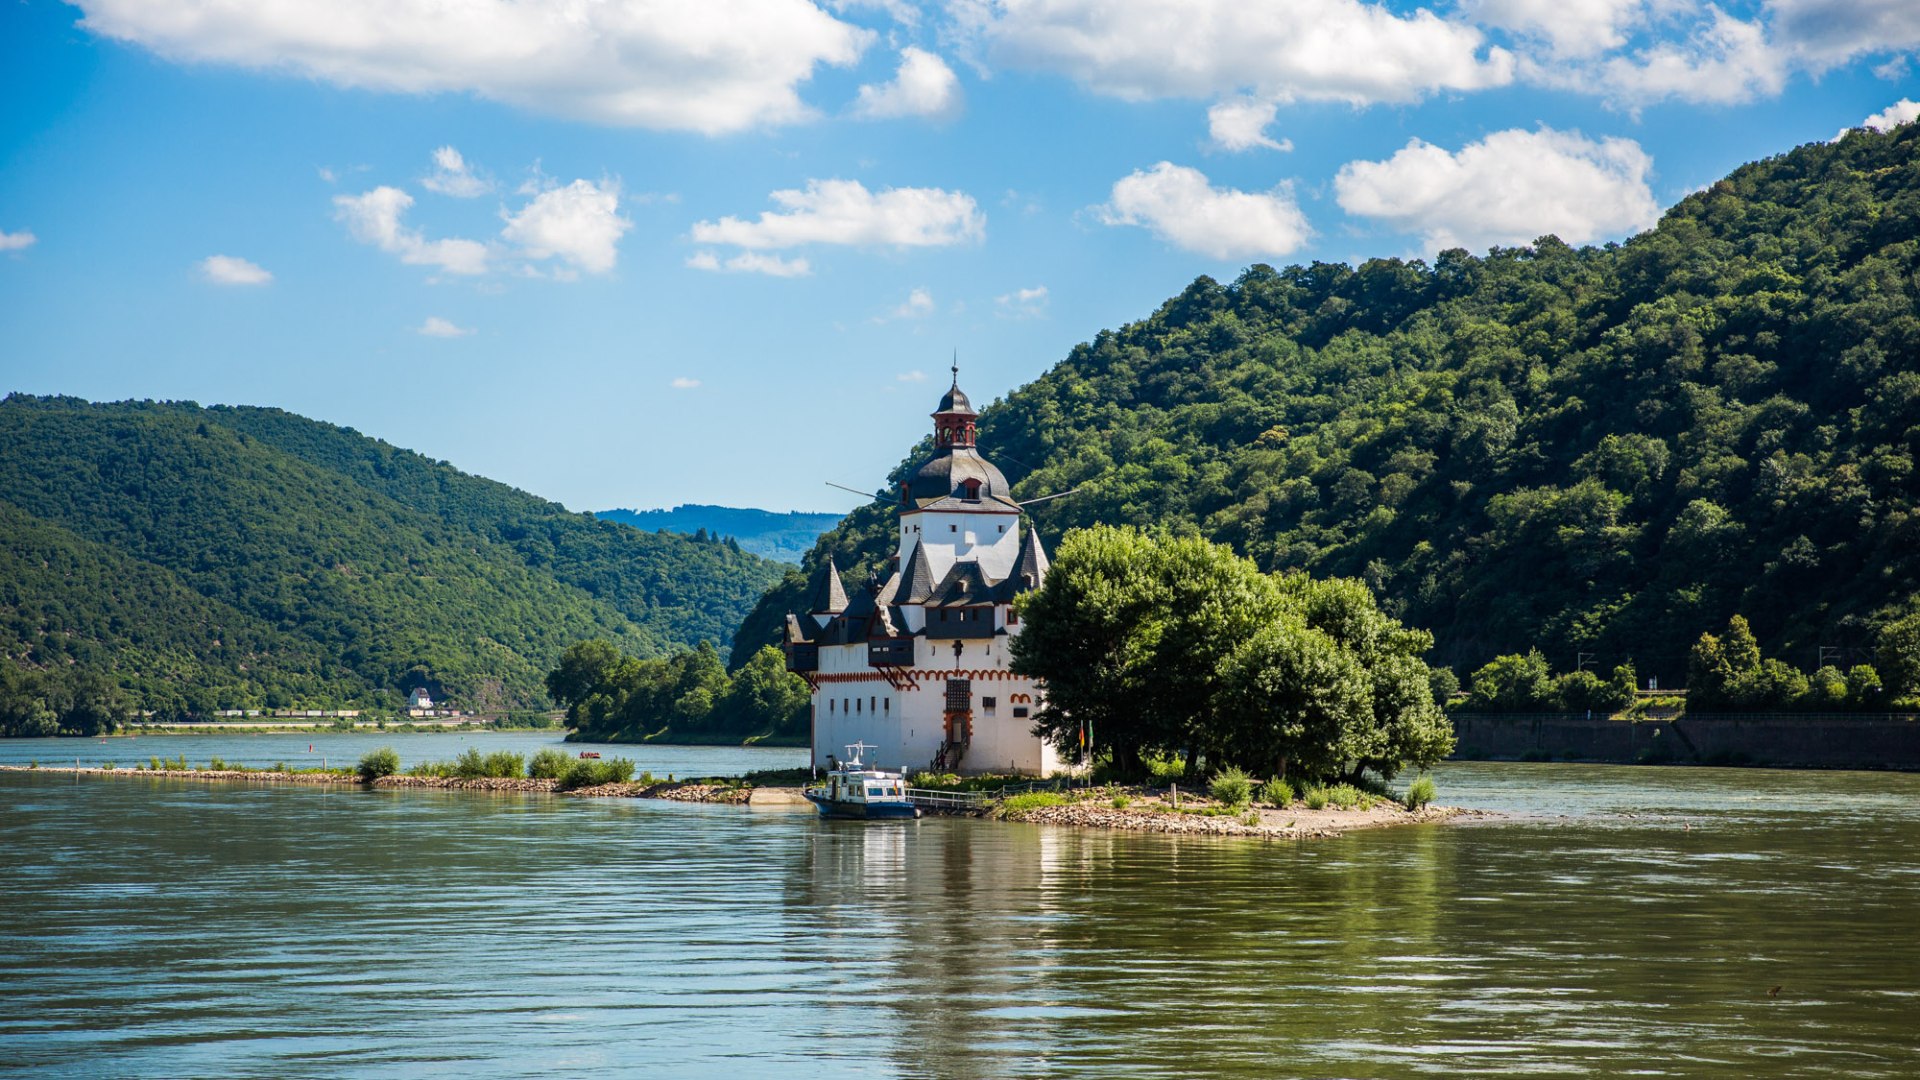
[609, 695]
[1179, 646]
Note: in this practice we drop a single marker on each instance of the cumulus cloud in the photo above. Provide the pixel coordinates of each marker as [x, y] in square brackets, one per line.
[1724, 61]
[1827, 33]
[579, 223]
[918, 305]
[1180, 206]
[232, 270]
[435, 326]
[1241, 124]
[453, 176]
[684, 383]
[1510, 188]
[923, 86]
[713, 67]
[17, 241]
[374, 218]
[750, 262]
[1894, 115]
[1569, 28]
[845, 212]
[1023, 303]
[1336, 50]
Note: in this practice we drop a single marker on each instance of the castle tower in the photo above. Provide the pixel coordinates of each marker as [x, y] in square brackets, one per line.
[918, 664]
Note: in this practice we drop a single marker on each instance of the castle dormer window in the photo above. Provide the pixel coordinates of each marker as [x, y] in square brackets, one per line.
[970, 490]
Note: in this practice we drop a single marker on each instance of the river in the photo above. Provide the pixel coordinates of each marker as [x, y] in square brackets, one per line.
[1612, 921]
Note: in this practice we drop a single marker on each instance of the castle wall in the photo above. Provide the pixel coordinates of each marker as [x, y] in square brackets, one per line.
[990, 538]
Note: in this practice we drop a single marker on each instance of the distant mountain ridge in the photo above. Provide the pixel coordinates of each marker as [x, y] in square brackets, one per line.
[766, 533]
[232, 557]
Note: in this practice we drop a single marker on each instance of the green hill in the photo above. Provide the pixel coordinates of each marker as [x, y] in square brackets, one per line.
[1604, 450]
[238, 557]
[780, 537]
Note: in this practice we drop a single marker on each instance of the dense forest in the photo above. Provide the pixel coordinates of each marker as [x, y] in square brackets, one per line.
[690, 695]
[210, 558]
[1596, 453]
[780, 537]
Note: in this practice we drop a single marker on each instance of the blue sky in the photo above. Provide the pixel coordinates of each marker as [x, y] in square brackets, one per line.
[621, 253]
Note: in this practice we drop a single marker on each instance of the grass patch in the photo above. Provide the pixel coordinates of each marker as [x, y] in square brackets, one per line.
[1420, 793]
[1013, 807]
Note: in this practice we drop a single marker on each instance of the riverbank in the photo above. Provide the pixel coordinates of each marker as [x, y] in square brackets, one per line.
[704, 790]
[1145, 810]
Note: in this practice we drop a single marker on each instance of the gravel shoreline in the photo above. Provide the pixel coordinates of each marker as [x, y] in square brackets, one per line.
[676, 791]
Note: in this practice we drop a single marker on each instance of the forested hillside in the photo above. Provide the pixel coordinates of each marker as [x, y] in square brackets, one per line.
[1603, 450]
[781, 537]
[229, 558]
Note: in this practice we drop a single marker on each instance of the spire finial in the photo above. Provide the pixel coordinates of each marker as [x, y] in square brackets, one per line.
[956, 367]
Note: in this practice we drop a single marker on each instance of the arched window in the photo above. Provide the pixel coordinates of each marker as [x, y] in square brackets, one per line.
[970, 490]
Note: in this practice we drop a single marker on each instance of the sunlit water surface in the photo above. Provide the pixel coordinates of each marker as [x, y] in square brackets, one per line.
[1613, 921]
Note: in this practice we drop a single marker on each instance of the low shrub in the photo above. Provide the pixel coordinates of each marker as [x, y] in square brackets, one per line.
[1275, 792]
[217, 764]
[1315, 797]
[1013, 806]
[549, 764]
[939, 781]
[590, 772]
[1348, 797]
[107, 766]
[442, 769]
[1122, 801]
[1420, 792]
[1251, 818]
[378, 763]
[501, 764]
[279, 766]
[1231, 786]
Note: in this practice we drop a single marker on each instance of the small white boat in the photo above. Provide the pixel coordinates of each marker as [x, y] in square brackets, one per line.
[854, 791]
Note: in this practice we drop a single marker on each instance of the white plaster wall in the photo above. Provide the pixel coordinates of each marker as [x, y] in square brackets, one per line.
[989, 538]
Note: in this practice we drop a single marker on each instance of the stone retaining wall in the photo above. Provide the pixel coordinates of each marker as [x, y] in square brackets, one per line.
[1776, 739]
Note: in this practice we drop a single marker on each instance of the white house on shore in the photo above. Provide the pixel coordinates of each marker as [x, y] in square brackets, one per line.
[916, 665]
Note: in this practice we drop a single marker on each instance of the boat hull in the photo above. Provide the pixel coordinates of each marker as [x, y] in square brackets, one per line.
[862, 811]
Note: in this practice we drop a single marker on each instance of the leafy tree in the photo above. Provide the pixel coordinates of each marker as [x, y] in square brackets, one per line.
[1180, 646]
[1898, 655]
[1513, 684]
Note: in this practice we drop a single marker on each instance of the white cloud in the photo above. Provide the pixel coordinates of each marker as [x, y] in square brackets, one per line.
[713, 67]
[435, 326]
[232, 270]
[1894, 115]
[579, 223]
[918, 305]
[845, 212]
[916, 375]
[453, 176]
[750, 262]
[1569, 28]
[684, 383]
[1241, 124]
[1023, 303]
[374, 218]
[1181, 207]
[1725, 61]
[1338, 50]
[17, 241]
[1510, 188]
[923, 86]
[1827, 33]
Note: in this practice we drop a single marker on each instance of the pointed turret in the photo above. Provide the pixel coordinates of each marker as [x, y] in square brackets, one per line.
[916, 581]
[1030, 569]
[831, 596]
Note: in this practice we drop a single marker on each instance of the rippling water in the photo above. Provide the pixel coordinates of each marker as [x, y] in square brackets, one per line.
[1618, 921]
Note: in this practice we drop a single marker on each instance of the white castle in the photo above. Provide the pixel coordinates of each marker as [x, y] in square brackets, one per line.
[915, 666]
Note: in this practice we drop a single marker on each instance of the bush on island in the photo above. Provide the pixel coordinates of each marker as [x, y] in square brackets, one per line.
[586, 772]
[1276, 792]
[549, 764]
[1420, 792]
[378, 763]
[1232, 787]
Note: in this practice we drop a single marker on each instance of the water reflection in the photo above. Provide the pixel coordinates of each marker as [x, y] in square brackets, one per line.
[166, 928]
